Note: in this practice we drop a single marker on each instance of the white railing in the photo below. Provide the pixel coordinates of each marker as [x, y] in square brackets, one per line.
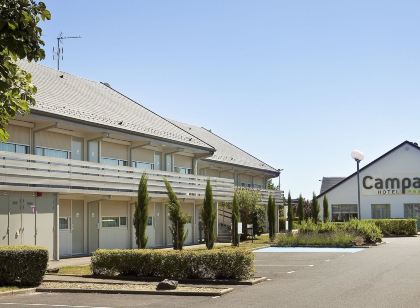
[277, 194]
[25, 172]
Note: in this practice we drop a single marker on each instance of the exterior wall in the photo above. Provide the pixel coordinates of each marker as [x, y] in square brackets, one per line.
[183, 161]
[114, 150]
[404, 162]
[19, 134]
[114, 237]
[29, 218]
[53, 140]
[143, 155]
[227, 175]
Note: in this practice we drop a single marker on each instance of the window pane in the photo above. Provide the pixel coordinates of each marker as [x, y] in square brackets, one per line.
[343, 212]
[150, 221]
[157, 159]
[93, 151]
[123, 221]
[39, 151]
[142, 165]
[110, 222]
[76, 149]
[168, 162]
[64, 223]
[109, 161]
[16, 148]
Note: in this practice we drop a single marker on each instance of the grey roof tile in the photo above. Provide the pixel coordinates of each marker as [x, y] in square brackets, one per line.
[66, 95]
[328, 182]
[226, 152]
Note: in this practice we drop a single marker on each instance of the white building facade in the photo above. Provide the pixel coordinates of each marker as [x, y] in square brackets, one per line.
[69, 172]
[389, 187]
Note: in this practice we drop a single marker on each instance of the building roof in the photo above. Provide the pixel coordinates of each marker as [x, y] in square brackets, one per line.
[226, 152]
[328, 182]
[413, 144]
[67, 96]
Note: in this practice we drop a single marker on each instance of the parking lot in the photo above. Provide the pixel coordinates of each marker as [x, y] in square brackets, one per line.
[383, 276]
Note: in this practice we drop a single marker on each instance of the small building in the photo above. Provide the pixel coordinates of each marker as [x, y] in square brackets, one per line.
[389, 187]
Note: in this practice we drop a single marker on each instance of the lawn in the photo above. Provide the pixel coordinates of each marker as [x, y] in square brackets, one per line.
[7, 289]
[79, 270]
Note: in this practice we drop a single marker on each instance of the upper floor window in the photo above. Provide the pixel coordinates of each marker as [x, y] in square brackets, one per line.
[142, 165]
[14, 147]
[183, 170]
[114, 161]
[52, 152]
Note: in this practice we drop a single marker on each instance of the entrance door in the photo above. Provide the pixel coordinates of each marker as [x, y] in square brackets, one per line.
[93, 210]
[15, 220]
[189, 211]
[412, 210]
[77, 231]
[65, 223]
[4, 218]
[28, 219]
[159, 222]
[168, 223]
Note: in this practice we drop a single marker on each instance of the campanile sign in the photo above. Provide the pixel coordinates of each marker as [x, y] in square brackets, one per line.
[399, 185]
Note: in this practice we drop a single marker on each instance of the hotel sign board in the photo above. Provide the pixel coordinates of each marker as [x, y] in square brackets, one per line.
[396, 185]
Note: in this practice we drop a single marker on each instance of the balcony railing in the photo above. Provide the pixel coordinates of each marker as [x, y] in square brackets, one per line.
[265, 194]
[25, 172]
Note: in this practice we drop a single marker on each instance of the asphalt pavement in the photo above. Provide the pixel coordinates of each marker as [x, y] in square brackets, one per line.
[383, 276]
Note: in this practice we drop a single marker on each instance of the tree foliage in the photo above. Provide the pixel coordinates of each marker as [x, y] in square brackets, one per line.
[20, 38]
[247, 201]
[177, 218]
[300, 209]
[326, 210]
[271, 215]
[315, 209]
[141, 213]
[235, 220]
[208, 217]
[290, 213]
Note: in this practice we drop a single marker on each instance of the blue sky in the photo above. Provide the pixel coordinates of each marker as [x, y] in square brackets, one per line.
[298, 84]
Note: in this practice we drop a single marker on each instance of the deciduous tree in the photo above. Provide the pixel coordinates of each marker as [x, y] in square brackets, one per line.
[20, 38]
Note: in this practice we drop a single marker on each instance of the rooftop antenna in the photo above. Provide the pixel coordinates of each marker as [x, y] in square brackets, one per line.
[59, 52]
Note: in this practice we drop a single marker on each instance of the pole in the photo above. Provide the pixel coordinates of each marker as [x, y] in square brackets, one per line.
[358, 189]
[58, 53]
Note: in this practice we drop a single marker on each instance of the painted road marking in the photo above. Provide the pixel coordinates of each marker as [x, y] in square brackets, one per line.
[283, 265]
[308, 250]
[49, 305]
[291, 272]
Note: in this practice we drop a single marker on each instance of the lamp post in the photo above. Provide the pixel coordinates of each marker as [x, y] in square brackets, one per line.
[358, 157]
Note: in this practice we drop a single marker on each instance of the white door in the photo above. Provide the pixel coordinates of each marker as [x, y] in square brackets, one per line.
[64, 224]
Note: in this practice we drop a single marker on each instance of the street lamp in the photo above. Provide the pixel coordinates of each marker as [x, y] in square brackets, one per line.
[358, 157]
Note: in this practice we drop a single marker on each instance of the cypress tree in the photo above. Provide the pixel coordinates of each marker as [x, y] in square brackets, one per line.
[177, 218]
[315, 209]
[326, 210]
[235, 220]
[271, 208]
[289, 213]
[300, 209]
[141, 213]
[208, 216]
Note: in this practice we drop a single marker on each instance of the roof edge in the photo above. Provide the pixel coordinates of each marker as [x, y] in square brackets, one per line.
[370, 164]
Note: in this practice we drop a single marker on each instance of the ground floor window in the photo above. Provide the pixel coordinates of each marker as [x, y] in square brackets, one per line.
[183, 170]
[52, 152]
[64, 223]
[14, 147]
[381, 211]
[114, 222]
[343, 212]
[113, 161]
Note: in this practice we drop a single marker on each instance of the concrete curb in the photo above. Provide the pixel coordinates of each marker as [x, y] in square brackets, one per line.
[249, 282]
[18, 292]
[173, 293]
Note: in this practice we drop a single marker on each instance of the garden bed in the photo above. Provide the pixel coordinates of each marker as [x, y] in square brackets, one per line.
[127, 288]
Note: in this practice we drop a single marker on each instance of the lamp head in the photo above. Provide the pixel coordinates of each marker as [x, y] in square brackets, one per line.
[357, 155]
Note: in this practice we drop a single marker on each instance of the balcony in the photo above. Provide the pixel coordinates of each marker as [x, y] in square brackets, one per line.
[25, 172]
[265, 194]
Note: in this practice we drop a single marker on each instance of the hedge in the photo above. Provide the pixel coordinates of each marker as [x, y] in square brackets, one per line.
[227, 263]
[396, 227]
[22, 265]
[337, 239]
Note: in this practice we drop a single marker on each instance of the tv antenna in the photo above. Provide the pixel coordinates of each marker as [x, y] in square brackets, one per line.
[59, 52]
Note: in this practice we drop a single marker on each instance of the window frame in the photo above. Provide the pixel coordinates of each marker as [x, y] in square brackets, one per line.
[387, 210]
[347, 214]
[68, 223]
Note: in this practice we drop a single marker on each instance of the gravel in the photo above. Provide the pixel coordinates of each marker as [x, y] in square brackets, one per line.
[119, 286]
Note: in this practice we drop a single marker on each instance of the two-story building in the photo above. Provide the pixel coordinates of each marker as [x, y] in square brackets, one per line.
[70, 170]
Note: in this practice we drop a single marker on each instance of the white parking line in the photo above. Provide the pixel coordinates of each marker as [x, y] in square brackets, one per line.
[291, 272]
[284, 265]
[49, 305]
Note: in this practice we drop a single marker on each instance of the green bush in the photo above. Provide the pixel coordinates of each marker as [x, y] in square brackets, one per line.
[310, 227]
[338, 239]
[364, 228]
[396, 227]
[225, 263]
[22, 265]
